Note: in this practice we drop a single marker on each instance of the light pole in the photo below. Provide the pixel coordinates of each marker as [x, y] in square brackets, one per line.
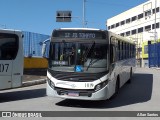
[84, 13]
[155, 52]
[155, 34]
[155, 22]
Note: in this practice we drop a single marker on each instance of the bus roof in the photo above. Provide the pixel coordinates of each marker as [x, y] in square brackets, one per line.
[79, 29]
[9, 30]
[121, 38]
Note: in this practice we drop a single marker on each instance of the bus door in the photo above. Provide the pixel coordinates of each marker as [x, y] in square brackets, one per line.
[8, 51]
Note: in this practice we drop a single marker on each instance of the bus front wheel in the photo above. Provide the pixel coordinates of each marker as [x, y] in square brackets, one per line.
[116, 88]
[130, 79]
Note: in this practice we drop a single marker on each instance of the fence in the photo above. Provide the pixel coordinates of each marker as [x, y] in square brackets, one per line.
[32, 43]
[154, 55]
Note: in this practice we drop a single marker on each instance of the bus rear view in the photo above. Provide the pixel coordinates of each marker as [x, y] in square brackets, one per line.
[11, 59]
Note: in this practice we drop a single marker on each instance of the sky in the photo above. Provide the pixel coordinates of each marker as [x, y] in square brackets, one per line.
[39, 16]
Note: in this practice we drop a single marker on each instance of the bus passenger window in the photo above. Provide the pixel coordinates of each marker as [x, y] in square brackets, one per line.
[122, 51]
[112, 54]
[9, 48]
[119, 53]
[125, 51]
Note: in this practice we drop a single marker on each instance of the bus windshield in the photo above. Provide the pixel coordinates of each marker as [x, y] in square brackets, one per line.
[78, 57]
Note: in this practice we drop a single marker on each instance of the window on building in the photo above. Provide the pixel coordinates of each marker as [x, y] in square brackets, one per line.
[146, 49]
[140, 16]
[157, 25]
[109, 27]
[140, 30]
[117, 24]
[122, 34]
[122, 22]
[148, 28]
[153, 11]
[112, 26]
[134, 18]
[134, 31]
[128, 20]
[147, 13]
[157, 10]
[128, 33]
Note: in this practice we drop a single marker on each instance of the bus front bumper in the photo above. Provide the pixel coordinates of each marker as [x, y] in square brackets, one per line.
[102, 94]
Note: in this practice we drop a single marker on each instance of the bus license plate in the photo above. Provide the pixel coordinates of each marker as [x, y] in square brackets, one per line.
[73, 94]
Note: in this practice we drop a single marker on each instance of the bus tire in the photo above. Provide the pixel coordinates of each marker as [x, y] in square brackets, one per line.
[130, 78]
[117, 86]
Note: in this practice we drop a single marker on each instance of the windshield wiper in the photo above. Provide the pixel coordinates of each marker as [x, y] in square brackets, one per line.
[91, 63]
[92, 56]
[88, 50]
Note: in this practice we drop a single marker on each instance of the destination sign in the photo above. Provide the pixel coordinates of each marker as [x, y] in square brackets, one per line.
[79, 34]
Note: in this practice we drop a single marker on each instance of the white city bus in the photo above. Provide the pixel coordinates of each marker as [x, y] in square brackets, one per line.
[88, 64]
[11, 59]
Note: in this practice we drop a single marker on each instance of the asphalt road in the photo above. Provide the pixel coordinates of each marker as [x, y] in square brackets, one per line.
[34, 74]
[143, 94]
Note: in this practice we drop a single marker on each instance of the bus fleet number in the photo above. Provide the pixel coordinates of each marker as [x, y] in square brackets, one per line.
[4, 67]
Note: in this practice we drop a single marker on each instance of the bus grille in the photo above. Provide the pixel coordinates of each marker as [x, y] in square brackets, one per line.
[62, 91]
[74, 76]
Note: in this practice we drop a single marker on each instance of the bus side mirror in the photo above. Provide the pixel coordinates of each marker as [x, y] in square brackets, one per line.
[43, 49]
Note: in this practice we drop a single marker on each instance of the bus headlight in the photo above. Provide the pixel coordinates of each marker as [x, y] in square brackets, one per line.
[100, 85]
[50, 83]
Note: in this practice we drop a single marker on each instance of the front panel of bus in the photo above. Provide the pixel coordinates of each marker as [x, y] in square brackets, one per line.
[11, 59]
[78, 64]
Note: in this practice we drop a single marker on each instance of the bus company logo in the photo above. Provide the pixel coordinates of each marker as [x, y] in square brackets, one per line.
[6, 114]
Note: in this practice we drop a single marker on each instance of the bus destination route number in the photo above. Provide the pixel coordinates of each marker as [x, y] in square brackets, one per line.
[4, 67]
[80, 35]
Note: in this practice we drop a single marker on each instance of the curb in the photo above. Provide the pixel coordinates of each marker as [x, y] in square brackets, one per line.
[34, 82]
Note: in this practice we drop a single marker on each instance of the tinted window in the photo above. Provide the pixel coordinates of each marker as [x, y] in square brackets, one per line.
[134, 18]
[127, 33]
[147, 28]
[146, 49]
[128, 20]
[8, 46]
[140, 30]
[157, 9]
[117, 24]
[112, 26]
[134, 32]
[122, 34]
[147, 13]
[153, 25]
[122, 22]
[140, 16]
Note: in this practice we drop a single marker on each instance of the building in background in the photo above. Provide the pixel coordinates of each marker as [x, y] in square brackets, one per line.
[139, 24]
[32, 45]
